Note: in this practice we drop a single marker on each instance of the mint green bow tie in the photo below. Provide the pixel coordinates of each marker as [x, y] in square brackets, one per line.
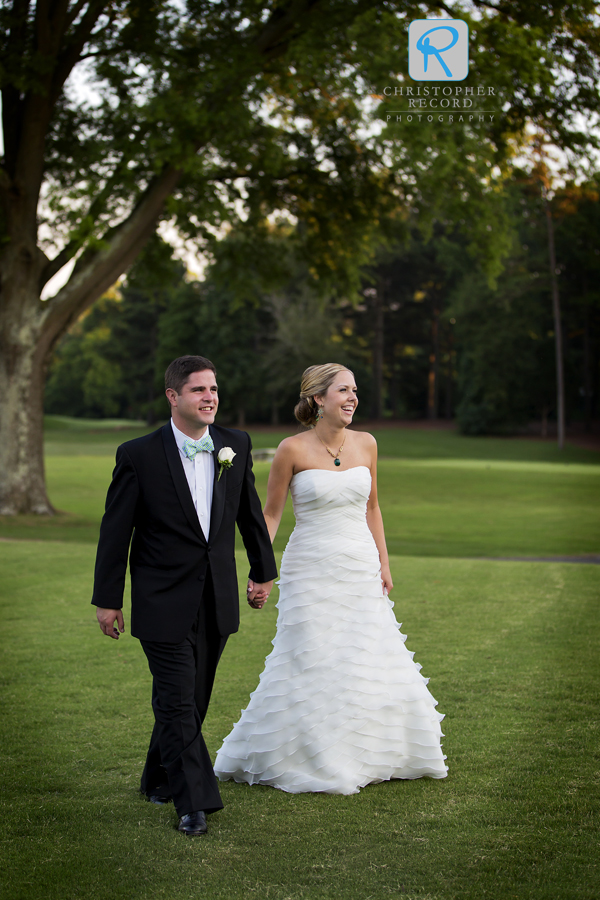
[192, 448]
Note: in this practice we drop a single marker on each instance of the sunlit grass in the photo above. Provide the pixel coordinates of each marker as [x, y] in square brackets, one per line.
[68, 436]
[433, 507]
[511, 650]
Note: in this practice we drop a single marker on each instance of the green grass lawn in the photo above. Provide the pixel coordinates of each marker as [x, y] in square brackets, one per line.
[92, 437]
[441, 494]
[511, 649]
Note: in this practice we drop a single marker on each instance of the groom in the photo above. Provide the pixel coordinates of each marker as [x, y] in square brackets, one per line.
[176, 496]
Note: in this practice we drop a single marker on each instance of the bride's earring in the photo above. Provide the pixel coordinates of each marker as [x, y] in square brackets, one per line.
[319, 413]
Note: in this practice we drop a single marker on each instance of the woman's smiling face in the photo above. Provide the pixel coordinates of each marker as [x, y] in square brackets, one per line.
[340, 401]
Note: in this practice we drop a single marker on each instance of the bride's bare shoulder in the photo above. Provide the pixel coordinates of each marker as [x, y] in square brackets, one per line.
[292, 445]
[292, 451]
[364, 440]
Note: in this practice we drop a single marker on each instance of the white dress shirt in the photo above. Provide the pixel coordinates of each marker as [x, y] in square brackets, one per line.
[200, 474]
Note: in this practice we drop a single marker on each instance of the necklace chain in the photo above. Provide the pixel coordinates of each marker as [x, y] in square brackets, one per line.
[336, 456]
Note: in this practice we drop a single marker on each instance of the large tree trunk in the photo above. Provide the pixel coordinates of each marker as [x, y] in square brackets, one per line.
[23, 355]
[22, 482]
[30, 328]
[22, 374]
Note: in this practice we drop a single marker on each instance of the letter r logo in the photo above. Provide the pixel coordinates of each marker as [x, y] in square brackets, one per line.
[438, 50]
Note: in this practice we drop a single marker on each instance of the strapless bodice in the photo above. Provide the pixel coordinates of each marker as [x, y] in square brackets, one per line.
[319, 495]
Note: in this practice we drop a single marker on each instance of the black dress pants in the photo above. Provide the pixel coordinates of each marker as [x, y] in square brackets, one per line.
[183, 675]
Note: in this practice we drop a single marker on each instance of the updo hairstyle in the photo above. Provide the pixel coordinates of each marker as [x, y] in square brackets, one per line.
[315, 380]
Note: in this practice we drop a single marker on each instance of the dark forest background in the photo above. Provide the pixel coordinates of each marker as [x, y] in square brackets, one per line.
[431, 335]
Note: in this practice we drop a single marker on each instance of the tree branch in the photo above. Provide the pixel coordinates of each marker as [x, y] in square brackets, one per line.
[95, 208]
[75, 12]
[97, 270]
[482, 4]
[451, 12]
[72, 51]
[270, 42]
[11, 96]
[96, 54]
[20, 10]
[26, 118]
[43, 30]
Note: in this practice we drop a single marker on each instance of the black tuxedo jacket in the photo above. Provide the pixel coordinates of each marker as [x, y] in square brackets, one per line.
[170, 558]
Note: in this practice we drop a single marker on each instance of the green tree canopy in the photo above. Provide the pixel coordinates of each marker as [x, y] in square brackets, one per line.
[200, 112]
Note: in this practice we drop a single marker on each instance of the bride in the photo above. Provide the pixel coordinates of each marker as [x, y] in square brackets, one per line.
[340, 703]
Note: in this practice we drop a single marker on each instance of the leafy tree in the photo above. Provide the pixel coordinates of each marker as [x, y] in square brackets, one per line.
[403, 318]
[196, 109]
[260, 324]
[576, 211]
[205, 107]
[453, 339]
[506, 335]
[263, 320]
[450, 339]
[85, 377]
[110, 362]
[153, 285]
[501, 364]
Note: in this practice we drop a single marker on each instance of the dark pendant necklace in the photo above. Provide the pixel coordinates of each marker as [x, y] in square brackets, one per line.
[336, 456]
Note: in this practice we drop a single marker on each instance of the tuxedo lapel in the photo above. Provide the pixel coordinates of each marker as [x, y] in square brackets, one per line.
[179, 480]
[218, 500]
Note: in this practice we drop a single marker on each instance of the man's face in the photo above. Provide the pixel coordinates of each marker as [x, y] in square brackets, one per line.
[196, 406]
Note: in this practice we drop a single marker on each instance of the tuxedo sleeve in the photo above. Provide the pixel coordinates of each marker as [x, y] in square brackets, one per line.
[115, 534]
[253, 528]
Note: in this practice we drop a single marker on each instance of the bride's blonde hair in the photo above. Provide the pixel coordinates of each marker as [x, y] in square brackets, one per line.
[316, 380]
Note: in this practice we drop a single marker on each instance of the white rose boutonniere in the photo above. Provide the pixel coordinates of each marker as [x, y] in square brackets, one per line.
[225, 458]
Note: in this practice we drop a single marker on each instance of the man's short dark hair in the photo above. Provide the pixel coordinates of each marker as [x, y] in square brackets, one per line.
[181, 368]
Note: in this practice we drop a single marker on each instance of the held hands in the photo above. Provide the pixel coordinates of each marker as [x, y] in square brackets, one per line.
[258, 593]
[106, 620]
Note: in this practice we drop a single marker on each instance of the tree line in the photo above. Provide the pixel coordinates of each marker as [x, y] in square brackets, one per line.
[431, 333]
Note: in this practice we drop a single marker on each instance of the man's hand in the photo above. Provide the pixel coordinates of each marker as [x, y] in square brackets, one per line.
[106, 620]
[258, 593]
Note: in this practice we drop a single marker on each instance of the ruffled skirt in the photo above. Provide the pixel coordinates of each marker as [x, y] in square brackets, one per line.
[340, 703]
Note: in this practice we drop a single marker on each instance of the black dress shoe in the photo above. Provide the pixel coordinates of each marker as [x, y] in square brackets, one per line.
[158, 797]
[193, 823]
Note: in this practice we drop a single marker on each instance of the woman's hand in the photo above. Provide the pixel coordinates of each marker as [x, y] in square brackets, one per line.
[386, 579]
[258, 594]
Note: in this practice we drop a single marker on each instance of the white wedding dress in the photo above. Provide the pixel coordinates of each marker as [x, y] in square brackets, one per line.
[340, 703]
